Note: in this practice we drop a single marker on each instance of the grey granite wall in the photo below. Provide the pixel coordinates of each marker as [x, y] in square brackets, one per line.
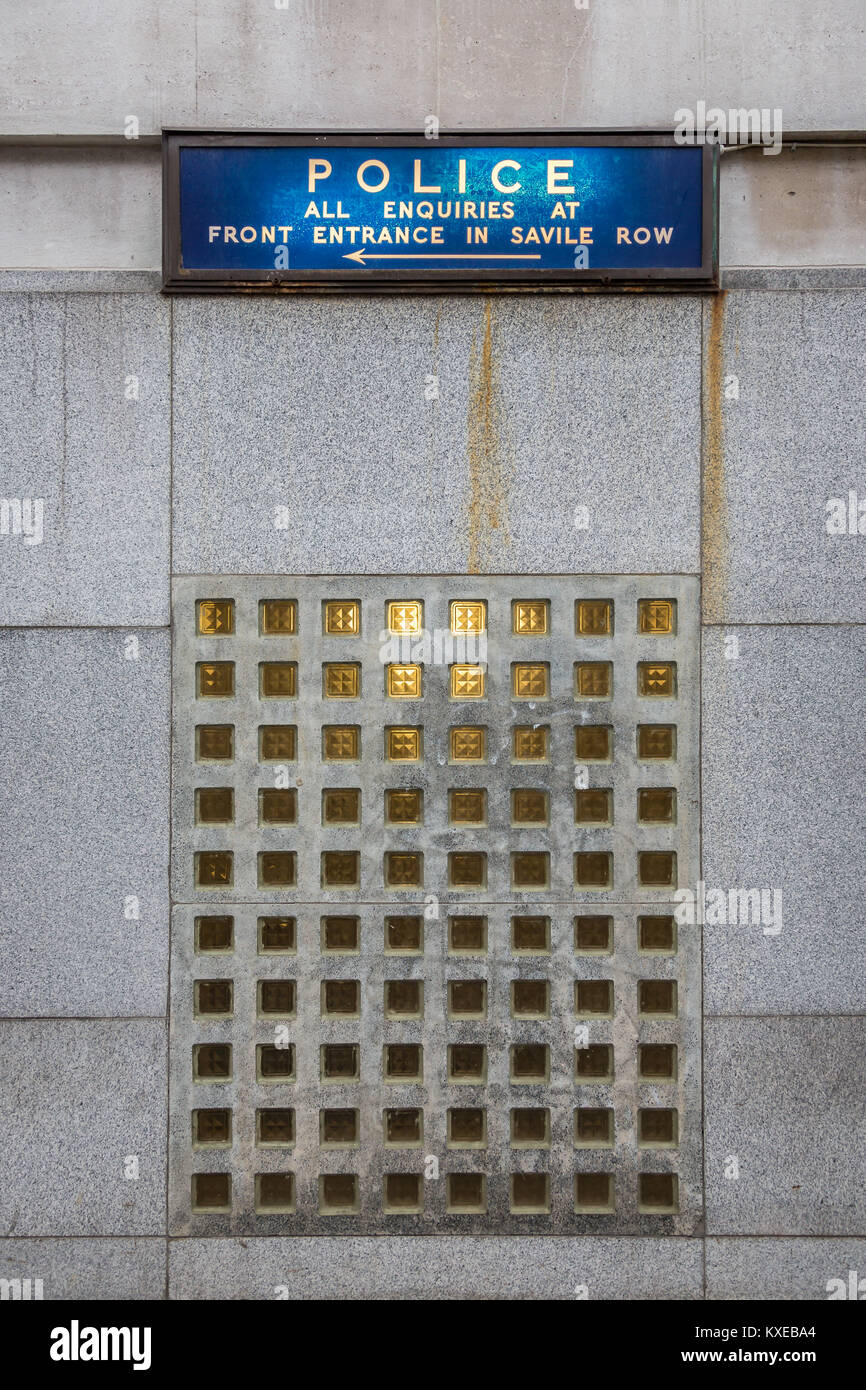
[704, 437]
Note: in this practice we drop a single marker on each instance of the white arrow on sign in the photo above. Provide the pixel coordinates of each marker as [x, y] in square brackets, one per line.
[360, 256]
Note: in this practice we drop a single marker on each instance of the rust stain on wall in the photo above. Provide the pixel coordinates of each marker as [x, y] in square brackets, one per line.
[489, 471]
[715, 507]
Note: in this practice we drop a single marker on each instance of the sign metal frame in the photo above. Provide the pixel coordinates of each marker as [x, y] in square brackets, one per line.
[450, 280]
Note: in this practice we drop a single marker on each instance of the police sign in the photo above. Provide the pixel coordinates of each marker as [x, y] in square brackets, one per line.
[401, 212]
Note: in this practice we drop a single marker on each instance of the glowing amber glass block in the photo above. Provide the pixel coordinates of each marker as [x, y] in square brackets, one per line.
[215, 680]
[594, 617]
[468, 745]
[592, 806]
[528, 807]
[278, 617]
[405, 617]
[278, 742]
[215, 743]
[593, 869]
[655, 740]
[655, 616]
[403, 807]
[593, 680]
[216, 617]
[467, 869]
[656, 678]
[657, 804]
[340, 868]
[403, 682]
[341, 743]
[529, 680]
[402, 745]
[403, 870]
[592, 743]
[657, 868]
[468, 615]
[342, 618]
[467, 682]
[529, 617]
[278, 679]
[277, 869]
[530, 869]
[529, 743]
[214, 805]
[341, 806]
[341, 681]
[278, 805]
[213, 868]
[467, 807]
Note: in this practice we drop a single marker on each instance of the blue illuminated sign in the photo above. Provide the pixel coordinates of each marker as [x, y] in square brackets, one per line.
[329, 212]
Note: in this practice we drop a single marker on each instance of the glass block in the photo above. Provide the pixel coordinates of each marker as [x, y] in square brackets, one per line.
[658, 679]
[402, 745]
[593, 680]
[405, 616]
[530, 617]
[529, 743]
[656, 617]
[342, 618]
[530, 680]
[278, 680]
[341, 680]
[467, 682]
[341, 743]
[468, 745]
[403, 682]
[467, 807]
[468, 616]
[215, 680]
[278, 617]
[594, 617]
[216, 617]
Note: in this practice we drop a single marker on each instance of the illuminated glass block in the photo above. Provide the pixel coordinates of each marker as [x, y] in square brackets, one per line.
[593, 806]
[657, 678]
[213, 869]
[278, 806]
[405, 617]
[467, 807]
[657, 805]
[278, 679]
[529, 743]
[468, 615]
[341, 806]
[278, 742]
[215, 743]
[403, 807]
[528, 807]
[277, 869]
[467, 682]
[340, 868]
[341, 743]
[530, 869]
[593, 680]
[655, 616]
[529, 617]
[216, 617]
[404, 870]
[593, 869]
[342, 618]
[215, 680]
[530, 680]
[402, 745]
[657, 869]
[468, 745]
[592, 743]
[278, 617]
[594, 617]
[403, 682]
[467, 869]
[214, 805]
[341, 681]
[655, 740]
